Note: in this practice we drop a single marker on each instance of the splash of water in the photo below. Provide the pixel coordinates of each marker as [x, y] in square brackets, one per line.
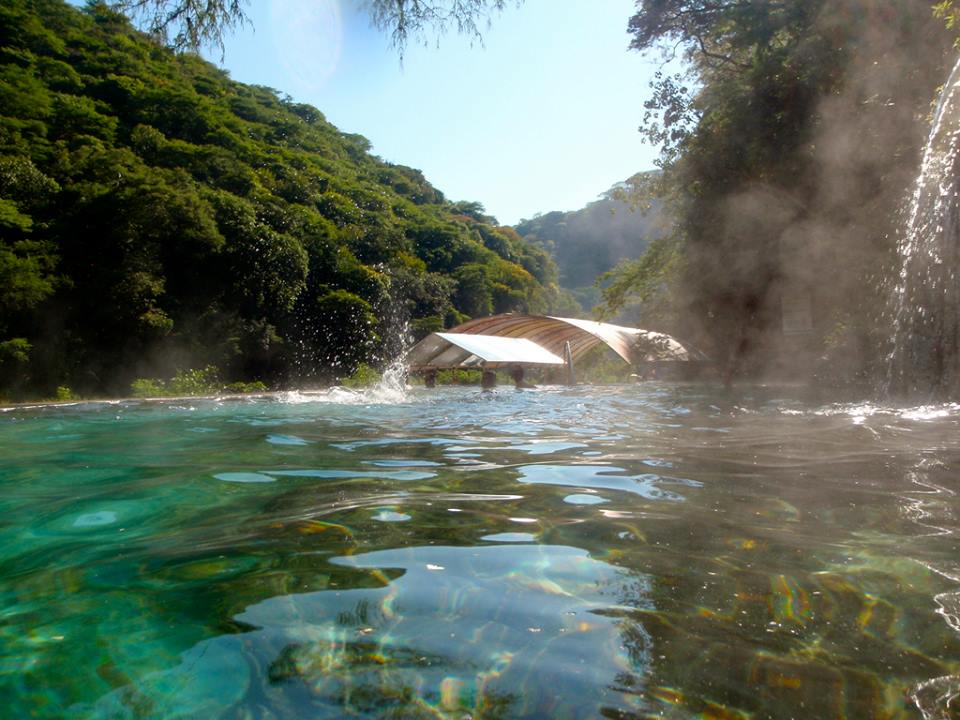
[390, 389]
[925, 359]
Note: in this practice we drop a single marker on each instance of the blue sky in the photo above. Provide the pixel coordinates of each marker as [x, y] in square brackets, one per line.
[542, 116]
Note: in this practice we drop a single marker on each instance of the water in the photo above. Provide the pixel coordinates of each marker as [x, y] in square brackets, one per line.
[925, 360]
[639, 551]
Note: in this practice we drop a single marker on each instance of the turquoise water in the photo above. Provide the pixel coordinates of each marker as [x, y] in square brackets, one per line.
[642, 551]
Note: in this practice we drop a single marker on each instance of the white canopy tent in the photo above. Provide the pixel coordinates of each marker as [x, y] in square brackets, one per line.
[460, 350]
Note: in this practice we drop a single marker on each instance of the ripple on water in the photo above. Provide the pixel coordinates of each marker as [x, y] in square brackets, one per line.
[286, 440]
[89, 516]
[402, 463]
[510, 537]
[358, 444]
[244, 477]
[95, 519]
[338, 474]
[584, 499]
[605, 477]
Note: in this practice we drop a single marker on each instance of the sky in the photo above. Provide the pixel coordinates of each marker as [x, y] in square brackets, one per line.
[541, 116]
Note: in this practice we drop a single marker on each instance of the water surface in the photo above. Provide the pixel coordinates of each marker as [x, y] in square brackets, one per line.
[629, 552]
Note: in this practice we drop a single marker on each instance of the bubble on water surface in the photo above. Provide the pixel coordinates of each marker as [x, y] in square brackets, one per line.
[95, 519]
[244, 477]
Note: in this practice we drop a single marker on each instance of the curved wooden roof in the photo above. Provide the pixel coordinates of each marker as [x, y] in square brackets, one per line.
[631, 344]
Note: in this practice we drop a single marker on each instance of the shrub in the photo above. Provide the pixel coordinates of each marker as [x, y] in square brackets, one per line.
[147, 388]
[65, 393]
[246, 387]
[195, 381]
[459, 377]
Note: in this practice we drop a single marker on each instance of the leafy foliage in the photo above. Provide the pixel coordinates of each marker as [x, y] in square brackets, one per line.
[406, 18]
[156, 215]
[948, 11]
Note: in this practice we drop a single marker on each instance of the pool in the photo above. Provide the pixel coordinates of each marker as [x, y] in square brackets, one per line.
[639, 551]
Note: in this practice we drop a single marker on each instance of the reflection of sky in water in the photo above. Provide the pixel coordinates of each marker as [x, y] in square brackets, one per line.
[104, 517]
[583, 499]
[402, 463]
[334, 474]
[499, 617]
[286, 440]
[605, 477]
[244, 477]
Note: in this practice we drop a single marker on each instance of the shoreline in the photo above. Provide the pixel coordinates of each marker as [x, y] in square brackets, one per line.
[275, 394]
[31, 404]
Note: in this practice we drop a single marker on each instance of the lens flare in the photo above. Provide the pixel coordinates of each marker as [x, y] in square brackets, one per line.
[308, 40]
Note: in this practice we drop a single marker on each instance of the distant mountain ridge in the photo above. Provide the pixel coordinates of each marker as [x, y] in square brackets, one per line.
[588, 242]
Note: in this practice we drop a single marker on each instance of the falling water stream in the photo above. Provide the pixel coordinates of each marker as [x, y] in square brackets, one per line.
[925, 361]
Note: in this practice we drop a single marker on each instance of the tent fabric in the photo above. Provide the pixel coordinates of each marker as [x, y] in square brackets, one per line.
[458, 350]
[632, 344]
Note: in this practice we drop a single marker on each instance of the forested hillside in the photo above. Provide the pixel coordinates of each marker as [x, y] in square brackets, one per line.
[156, 215]
[591, 241]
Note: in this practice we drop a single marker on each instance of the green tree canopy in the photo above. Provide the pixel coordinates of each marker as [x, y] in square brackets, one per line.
[156, 216]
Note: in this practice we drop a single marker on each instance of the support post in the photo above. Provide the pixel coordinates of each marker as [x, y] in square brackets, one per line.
[568, 360]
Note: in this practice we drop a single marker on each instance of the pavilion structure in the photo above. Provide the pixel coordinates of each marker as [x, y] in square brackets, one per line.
[492, 342]
[440, 351]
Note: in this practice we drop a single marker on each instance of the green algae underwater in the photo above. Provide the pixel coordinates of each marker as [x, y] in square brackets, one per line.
[624, 552]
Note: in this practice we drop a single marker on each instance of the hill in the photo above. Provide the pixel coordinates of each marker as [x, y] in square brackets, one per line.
[156, 215]
[592, 240]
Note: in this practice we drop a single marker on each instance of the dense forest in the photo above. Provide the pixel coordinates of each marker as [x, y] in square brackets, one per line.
[789, 145]
[591, 241]
[156, 216]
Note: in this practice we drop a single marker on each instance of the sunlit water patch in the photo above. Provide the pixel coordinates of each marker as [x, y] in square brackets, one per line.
[632, 552]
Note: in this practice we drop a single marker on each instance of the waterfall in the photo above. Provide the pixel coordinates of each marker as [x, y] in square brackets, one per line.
[925, 359]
